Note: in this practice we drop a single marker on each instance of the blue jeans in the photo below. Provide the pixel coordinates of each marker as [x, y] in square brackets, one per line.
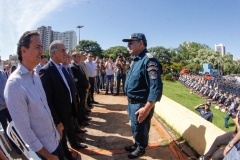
[109, 78]
[119, 78]
[102, 81]
[226, 120]
[140, 130]
[233, 154]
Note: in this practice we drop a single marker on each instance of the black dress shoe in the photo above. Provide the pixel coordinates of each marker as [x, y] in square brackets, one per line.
[80, 140]
[81, 131]
[79, 146]
[115, 94]
[87, 119]
[131, 148]
[94, 102]
[85, 124]
[70, 158]
[89, 105]
[88, 110]
[137, 153]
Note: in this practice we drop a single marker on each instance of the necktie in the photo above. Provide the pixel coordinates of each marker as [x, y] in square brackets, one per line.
[70, 73]
[80, 69]
[65, 77]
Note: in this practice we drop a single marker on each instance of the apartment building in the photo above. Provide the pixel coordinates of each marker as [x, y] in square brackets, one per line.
[69, 39]
[220, 48]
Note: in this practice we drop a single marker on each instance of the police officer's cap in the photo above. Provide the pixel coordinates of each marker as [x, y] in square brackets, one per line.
[136, 37]
[208, 103]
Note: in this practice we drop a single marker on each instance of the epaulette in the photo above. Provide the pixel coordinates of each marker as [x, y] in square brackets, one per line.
[149, 55]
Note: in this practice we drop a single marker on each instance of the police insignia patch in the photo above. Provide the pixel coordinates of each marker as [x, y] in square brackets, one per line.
[152, 68]
[153, 75]
[152, 64]
[149, 55]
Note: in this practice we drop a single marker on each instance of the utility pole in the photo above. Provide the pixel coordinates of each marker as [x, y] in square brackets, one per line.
[79, 31]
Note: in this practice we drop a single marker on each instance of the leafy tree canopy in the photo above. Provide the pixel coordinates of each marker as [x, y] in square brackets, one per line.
[89, 46]
[47, 54]
[164, 55]
[114, 51]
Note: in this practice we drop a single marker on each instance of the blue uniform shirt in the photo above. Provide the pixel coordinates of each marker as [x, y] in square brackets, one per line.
[144, 78]
[206, 115]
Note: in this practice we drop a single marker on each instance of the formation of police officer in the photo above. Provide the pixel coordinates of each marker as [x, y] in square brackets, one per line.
[143, 88]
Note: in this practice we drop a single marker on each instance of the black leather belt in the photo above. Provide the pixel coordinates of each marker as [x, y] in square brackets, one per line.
[135, 101]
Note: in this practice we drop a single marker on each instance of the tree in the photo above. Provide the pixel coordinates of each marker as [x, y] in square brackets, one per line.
[90, 46]
[176, 67]
[188, 51]
[162, 54]
[194, 67]
[228, 64]
[114, 51]
[46, 53]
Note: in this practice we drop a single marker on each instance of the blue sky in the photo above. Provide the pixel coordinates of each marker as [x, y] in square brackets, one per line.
[165, 23]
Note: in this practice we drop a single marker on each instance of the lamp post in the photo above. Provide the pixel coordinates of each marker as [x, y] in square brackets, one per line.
[79, 31]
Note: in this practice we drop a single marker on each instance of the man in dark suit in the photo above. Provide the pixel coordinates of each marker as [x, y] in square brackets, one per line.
[59, 92]
[82, 85]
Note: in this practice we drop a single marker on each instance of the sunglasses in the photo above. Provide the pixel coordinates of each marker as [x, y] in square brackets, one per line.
[43, 56]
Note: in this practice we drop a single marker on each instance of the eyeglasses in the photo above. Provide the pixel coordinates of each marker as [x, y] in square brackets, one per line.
[43, 56]
[90, 56]
[132, 42]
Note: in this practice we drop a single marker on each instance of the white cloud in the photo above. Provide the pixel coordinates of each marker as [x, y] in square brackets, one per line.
[18, 16]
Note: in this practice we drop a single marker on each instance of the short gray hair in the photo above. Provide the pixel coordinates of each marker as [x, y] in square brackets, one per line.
[54, 46]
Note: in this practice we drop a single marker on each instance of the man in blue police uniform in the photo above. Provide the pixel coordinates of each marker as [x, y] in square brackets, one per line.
[205, 112]
[143, 88]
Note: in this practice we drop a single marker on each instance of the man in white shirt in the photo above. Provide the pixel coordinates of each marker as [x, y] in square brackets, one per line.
[109, 65]
[91, 69]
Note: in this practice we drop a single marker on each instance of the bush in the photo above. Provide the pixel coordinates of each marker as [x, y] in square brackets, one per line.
[168, 77]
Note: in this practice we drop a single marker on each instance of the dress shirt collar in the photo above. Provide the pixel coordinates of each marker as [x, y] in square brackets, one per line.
[75, 63]
[66, 67]
[141, 55]
[23, 70]
[56, 65]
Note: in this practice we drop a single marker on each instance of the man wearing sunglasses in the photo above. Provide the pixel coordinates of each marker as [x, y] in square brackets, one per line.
[143, 87]
[43, 61]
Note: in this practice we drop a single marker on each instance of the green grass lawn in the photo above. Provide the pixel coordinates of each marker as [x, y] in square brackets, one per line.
[181, 94]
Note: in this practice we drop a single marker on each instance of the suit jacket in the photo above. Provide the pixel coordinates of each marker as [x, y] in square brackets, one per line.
[80, 78]
[74, 95]
[84, 68]
[3, 80]
[57, 93]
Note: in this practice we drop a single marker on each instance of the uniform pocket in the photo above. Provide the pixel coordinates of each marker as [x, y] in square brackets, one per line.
[134, 80]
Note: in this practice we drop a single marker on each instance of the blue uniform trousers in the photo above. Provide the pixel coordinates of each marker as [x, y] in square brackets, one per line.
[140, 130]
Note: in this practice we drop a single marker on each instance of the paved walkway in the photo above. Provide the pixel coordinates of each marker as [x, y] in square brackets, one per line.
[109, 132]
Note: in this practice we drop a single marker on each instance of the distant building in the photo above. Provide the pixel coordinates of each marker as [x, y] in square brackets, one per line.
[46, 36]
[69, 39]
[220, 48]
[55, 35]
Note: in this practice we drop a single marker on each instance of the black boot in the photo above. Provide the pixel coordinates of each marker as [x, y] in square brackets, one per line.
[137, 153]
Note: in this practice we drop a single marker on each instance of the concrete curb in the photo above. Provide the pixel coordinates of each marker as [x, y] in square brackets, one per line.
[198, 132]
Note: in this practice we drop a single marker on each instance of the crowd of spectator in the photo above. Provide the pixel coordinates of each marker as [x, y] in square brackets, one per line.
[66, 84]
